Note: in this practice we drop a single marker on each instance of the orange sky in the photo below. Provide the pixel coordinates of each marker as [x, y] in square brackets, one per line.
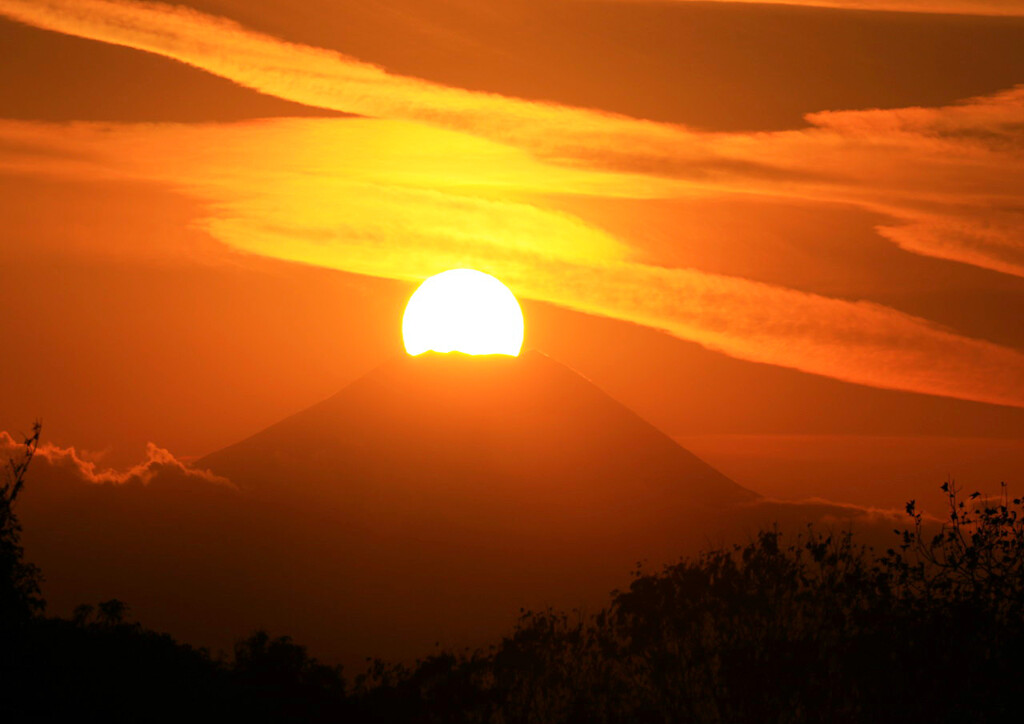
[769, 229]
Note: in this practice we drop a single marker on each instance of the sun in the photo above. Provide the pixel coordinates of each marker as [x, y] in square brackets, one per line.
[463, 310]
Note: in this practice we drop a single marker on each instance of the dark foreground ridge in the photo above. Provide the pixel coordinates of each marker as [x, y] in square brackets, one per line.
[806, 629]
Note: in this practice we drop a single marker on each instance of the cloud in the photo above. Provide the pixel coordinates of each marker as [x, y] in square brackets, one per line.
[158, 461]
[938, 172]
[877, 528]
[1005, 8]
[994, 240]
[961, 196]
[831, 512]
[443, 177]
[292, 190]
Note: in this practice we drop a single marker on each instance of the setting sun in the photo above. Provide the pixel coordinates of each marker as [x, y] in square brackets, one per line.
[463, 310]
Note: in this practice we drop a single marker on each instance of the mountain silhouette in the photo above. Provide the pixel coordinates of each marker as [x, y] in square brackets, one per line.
[426, 502]
[514, 439]
[449, 490]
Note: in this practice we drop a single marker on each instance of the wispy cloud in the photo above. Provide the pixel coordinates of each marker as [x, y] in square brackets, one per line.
[273, 189]
[951, 177]
[451, 178]
[158, 461]
[1005, 8]
[824, 511]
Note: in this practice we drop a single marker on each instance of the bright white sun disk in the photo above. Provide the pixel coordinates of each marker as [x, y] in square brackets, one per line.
[463, 310]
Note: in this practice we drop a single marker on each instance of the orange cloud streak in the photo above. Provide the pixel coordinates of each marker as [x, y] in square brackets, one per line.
[267, 196]
[941, 173]
[951, 178]
[1003, 8]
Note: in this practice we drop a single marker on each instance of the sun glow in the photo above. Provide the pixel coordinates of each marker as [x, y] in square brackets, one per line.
[463, 310]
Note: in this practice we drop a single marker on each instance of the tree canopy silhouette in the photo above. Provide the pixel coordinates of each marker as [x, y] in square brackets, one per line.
[785, 629]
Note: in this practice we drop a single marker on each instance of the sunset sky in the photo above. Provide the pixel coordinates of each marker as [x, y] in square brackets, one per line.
[791, 235]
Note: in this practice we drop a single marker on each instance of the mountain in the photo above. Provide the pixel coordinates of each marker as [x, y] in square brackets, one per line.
[426, 502]
[514, 439]
[443, 492]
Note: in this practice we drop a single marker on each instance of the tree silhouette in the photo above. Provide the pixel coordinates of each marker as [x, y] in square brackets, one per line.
[112, 612]
[292, 685]
[803, 628]
[20, 594]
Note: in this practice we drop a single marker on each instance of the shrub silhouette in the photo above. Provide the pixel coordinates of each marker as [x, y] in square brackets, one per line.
[292, 685]
[800, 629]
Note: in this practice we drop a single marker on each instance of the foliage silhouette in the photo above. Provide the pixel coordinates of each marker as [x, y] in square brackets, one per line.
[292, 685]
[783, 629]
[20, 596]
[805, 628]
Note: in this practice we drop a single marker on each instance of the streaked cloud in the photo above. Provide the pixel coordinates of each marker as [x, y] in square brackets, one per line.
[158, 461]
[443, 177]
[824, 511]
[939, 172]
[268, 195]
[1005, 8]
